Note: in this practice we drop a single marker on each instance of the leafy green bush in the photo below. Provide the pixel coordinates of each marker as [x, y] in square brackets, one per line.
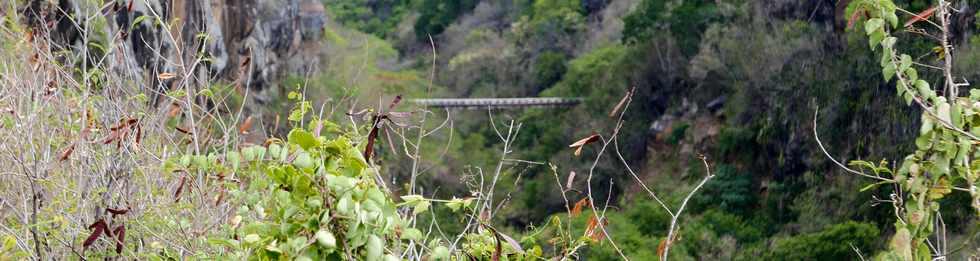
[378, 17]
[730, 191]
[309, 198]
[833, 243]
[548, 69]
[436, 15]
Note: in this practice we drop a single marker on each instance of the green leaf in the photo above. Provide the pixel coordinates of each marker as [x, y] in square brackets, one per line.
[234, 158]
[875, 38]
[901, 243]
[252, 238]
[911, 74]
[326, 239]
[892, 18]
[926, 126]
[410, 199]
[412, 234]
[956, 112]
[888, 72]
[943, 112]
[923, 88]
[439, 253]
[374, 248]
[457, 203]
[886, 57]
[303, 160]
[888, 43]
[303, 138]
[905, 62]
[421, 207]
[872, 25]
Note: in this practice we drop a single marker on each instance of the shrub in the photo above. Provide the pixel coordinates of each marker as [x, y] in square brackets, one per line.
[833, 243]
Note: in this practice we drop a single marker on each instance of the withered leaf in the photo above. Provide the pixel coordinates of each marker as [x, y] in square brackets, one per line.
[174, 110]
[394, 102]
[581, 143]
[369, 147]
[166, 76]
[577, 209]
[98, 227]
[921, 16]
[622, 102]
[180, 188]
[247, 125]
[67, 152]
[120, 235]
[117, 211]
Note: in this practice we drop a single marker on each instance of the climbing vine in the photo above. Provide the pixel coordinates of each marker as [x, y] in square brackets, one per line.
[946, 146]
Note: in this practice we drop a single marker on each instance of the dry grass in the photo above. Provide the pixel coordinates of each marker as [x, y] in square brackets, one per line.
[80, 135]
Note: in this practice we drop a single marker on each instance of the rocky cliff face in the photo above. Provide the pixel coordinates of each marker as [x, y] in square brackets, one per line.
[249, 42]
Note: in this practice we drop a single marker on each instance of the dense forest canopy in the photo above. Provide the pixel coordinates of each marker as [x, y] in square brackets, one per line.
[259, 129]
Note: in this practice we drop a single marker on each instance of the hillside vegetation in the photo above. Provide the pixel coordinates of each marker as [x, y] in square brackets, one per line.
[282, 130]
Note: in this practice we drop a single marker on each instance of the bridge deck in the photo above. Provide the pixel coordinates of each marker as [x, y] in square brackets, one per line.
[498, 102]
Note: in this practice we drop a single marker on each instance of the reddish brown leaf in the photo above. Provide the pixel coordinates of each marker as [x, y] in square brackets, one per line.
[99, 228]
[247, 125]
[182, 130]
[245, 62]
[67, 152]
[581, 143]
[174, 110]
[166, 76]
[130, 7]
[221, 196]
[577, 209]
[394, 102]
[369, 148]
[853, 18]
[594, 230]
[139, 134]
[113, 135]
[661, 248]
[921, 16]
[120, 234]
[180, 188]
[622, 102]
[117, 211]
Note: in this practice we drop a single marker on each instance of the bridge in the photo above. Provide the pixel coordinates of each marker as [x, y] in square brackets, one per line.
[479, 103]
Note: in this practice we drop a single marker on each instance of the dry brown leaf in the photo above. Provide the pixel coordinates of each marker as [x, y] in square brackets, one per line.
[174, 110]
[593, 229]
[853, 18]
[661, 248]
[99, 228]
[245, 126]
[622, 102]
[921, 16]
[67, 152]
[166, 76]
[577, 209]
[581, 143]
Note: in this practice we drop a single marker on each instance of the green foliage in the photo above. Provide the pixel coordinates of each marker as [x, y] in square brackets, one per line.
[548, 69]
[377, 17]
[730, 191]
[436, 15]
[686, 21]
[677, 134]
[833, 243]
[946, 141]
[311, 197]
